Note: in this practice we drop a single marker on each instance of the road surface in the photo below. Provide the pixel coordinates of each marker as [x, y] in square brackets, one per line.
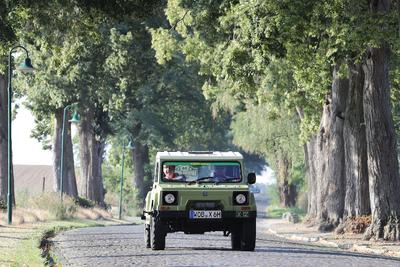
[124, 246]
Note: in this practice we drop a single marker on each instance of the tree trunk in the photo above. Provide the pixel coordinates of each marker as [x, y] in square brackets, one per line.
[140, 157]
[91, 154]
[320, 161]
[336, 163]
[69, 183]
[292, 195]
[384, 180]
[3, 139]
[357, 192]
[286, 189]
[331, 171]
[311, 153]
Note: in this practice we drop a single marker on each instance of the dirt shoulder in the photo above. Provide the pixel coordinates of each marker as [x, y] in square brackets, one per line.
[352, 242]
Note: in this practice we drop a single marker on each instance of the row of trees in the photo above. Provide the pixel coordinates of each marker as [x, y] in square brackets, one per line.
[309, 78]
[99, 56]
[306, 83]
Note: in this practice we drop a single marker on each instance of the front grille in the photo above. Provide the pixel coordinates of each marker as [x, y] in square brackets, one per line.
[205, 205]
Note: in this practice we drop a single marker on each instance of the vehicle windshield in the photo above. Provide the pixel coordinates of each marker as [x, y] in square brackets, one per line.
[201, 172]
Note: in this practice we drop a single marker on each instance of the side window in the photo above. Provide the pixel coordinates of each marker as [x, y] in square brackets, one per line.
[156, 172]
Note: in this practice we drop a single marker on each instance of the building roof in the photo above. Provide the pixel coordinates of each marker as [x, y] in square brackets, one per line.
[199, 155]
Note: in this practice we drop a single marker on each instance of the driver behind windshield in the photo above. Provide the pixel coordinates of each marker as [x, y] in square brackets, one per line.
[170, 174]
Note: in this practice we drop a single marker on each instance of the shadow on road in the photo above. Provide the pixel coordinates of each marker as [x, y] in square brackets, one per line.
[296, 250]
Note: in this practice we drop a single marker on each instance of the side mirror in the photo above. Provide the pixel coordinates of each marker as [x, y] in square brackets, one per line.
[251, 178]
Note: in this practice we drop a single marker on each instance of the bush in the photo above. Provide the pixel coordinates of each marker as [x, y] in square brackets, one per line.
[52, 203]
[131, 205]
[275, 211]
[63, 211]
[3, 204]
[84, 202]
[273, 194]
[22, 198]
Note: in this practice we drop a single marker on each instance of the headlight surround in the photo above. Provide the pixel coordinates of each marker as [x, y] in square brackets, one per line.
[240, 198]
[170, 198]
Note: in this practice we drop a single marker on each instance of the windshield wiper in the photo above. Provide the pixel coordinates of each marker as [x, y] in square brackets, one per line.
[200, 179]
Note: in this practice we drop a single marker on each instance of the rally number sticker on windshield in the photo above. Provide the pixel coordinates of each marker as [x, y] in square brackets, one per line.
[205, 214]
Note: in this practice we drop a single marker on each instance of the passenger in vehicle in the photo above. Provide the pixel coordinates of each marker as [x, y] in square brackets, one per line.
[224, 173]
[220, 173]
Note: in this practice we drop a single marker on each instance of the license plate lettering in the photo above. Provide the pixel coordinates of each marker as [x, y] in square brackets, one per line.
[205, 214]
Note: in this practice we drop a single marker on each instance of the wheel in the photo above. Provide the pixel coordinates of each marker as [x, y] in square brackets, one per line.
[248, 238]
[147, 235]
[235, 239]
[157, 234]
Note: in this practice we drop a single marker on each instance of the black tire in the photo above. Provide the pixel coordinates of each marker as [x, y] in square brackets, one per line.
[236, 239]
[157, 234]
[147, 235]
[248, 238]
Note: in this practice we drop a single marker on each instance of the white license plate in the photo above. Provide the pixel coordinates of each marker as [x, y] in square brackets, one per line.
[205, 214]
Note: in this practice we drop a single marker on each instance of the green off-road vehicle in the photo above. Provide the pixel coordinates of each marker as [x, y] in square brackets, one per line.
[198, 192]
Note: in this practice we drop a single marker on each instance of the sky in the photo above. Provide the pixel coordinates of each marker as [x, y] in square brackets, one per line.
[267, 176]
[27, 150]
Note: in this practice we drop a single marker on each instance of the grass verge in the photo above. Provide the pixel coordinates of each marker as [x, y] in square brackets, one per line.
[27, 245]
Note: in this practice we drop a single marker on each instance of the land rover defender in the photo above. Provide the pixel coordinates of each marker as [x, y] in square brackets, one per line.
[198, 192]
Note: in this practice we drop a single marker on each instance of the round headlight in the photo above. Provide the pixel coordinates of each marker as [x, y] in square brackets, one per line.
[240, 198]
[169, 198]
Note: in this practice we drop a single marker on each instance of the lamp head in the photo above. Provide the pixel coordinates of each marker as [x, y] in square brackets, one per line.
[75, 118]
[130, 146]
[26, 66]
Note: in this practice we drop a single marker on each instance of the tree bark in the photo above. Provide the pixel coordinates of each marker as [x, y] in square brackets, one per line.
[3, 139]
[311, 153]
[69, 183]
[286, 189]
[330, 156]
[320, 160]
[384, 180]
[91, 155]
[140, 156]
[336, 163]
[357, 192]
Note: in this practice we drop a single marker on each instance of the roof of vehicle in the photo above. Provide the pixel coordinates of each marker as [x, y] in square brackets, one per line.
[199, 155]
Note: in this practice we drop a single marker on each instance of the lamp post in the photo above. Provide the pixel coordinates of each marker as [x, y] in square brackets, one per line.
[75, 119]
[130, 146]
[26, 66]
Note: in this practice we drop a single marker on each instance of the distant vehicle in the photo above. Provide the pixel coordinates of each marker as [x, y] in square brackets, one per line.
[254, 189]
[198, 192]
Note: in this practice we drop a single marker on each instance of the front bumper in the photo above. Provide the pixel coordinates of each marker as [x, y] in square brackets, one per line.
[185, 215]
[176, 221]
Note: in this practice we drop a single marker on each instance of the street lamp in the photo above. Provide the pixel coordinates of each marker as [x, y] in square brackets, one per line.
[26, 66]
[75, 119]
[130, 146]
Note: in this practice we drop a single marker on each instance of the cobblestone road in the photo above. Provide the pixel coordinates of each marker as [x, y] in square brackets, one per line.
[123, 246]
